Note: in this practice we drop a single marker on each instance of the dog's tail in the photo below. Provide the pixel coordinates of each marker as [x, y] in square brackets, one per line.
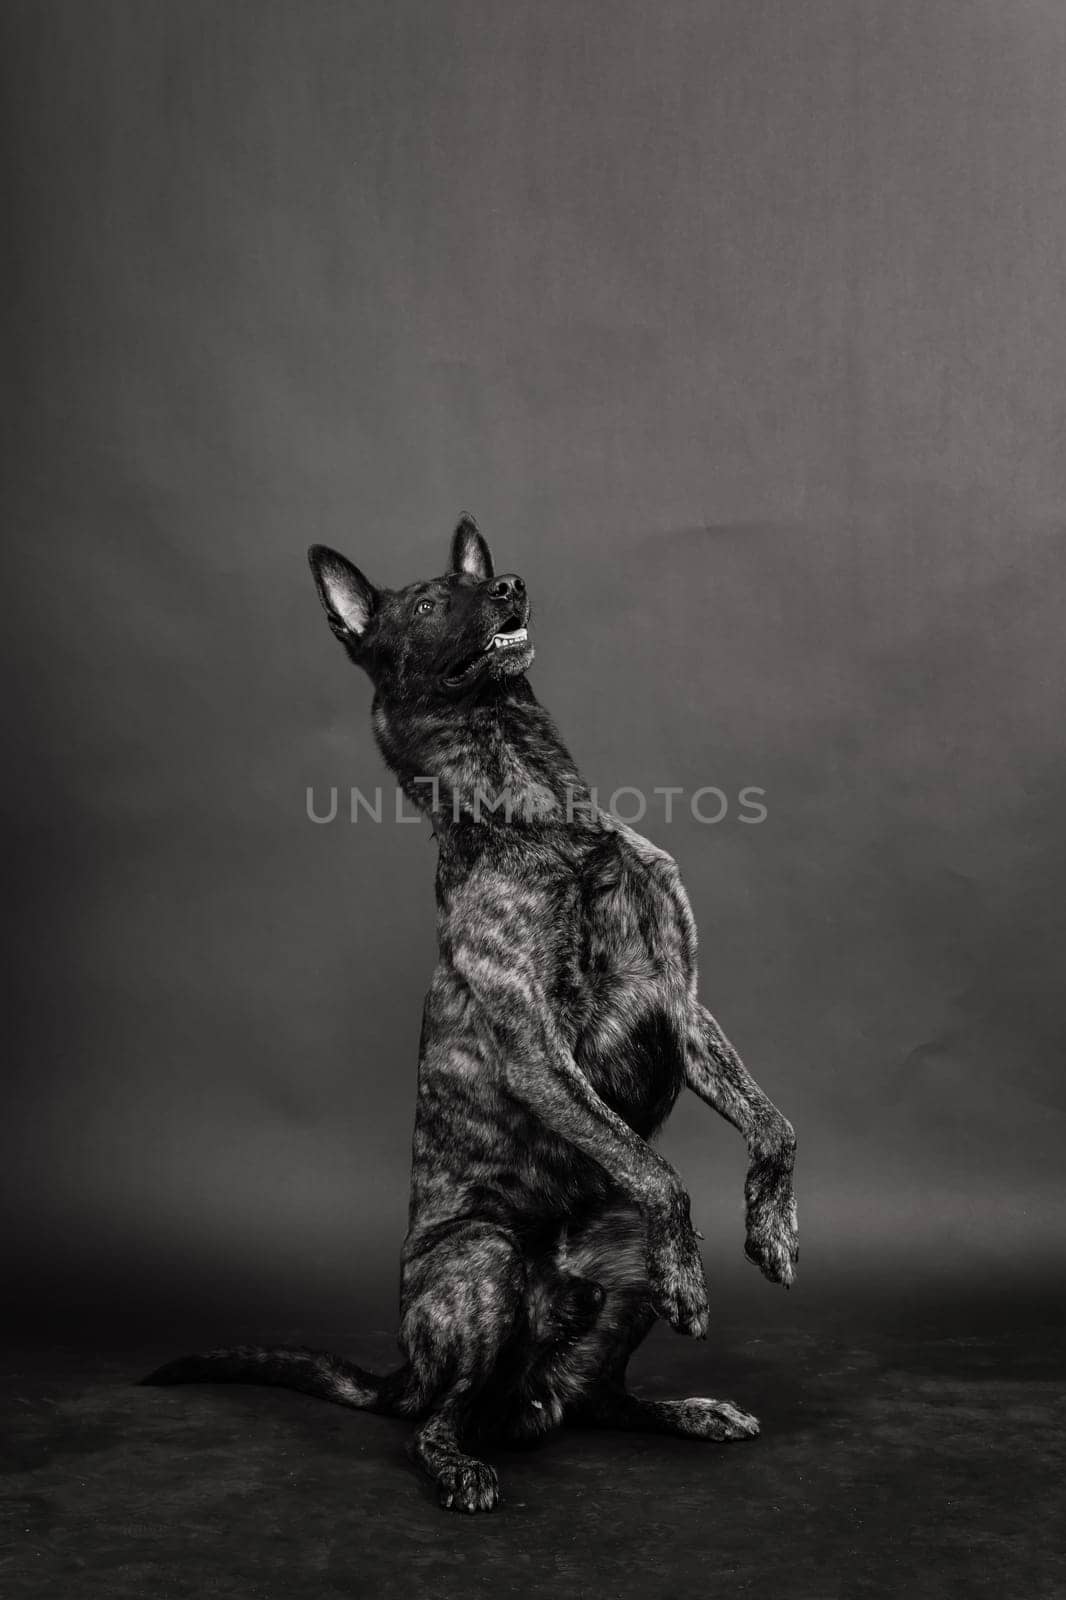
[314, 1372]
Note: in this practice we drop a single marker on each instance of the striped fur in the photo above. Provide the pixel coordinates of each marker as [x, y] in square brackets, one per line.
[545, 1232]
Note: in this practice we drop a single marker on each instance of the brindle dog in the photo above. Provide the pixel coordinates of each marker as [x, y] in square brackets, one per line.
[546, 1234]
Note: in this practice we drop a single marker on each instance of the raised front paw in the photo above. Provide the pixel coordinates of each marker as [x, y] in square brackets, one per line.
[679, 1289]
[772, 1227]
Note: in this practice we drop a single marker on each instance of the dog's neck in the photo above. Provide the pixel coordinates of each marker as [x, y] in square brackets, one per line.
[497, 761]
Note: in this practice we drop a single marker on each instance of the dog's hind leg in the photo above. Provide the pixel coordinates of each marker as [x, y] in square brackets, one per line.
[609, 1248]
[462, 1295]
[696, 1418]
[607, 1403]
[524, 1401]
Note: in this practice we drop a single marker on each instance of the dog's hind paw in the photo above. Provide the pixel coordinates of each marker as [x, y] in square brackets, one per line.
[469, 1485]
[717, 1420]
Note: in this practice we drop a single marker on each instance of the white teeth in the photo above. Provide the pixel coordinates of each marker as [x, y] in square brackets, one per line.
[503, 640]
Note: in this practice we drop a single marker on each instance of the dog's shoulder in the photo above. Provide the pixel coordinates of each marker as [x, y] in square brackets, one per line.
[639, 849]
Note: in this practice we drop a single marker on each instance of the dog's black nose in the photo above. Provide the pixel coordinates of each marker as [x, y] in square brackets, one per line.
[509, 587]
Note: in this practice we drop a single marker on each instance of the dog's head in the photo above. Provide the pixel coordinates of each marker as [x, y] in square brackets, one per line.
[439, 640]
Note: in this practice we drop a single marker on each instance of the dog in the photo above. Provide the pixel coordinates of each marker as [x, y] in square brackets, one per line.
[546, 1234]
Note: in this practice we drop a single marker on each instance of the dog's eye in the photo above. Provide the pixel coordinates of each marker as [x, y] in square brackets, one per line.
[424, 606]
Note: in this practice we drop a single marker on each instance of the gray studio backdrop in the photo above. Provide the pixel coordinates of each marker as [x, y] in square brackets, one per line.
[741, 328]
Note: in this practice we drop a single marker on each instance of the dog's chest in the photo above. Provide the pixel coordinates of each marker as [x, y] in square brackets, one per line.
[621, 987]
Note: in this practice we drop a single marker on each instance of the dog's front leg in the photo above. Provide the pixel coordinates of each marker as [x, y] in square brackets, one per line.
[715, 1072]
[541, 1073]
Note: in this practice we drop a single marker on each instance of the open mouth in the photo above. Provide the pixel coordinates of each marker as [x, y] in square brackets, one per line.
[511, 638]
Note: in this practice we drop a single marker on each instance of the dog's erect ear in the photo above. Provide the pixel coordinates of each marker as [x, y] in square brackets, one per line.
[349, 598]
[470, 553]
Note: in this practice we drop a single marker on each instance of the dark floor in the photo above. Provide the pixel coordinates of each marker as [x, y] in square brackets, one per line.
[923, 1460]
